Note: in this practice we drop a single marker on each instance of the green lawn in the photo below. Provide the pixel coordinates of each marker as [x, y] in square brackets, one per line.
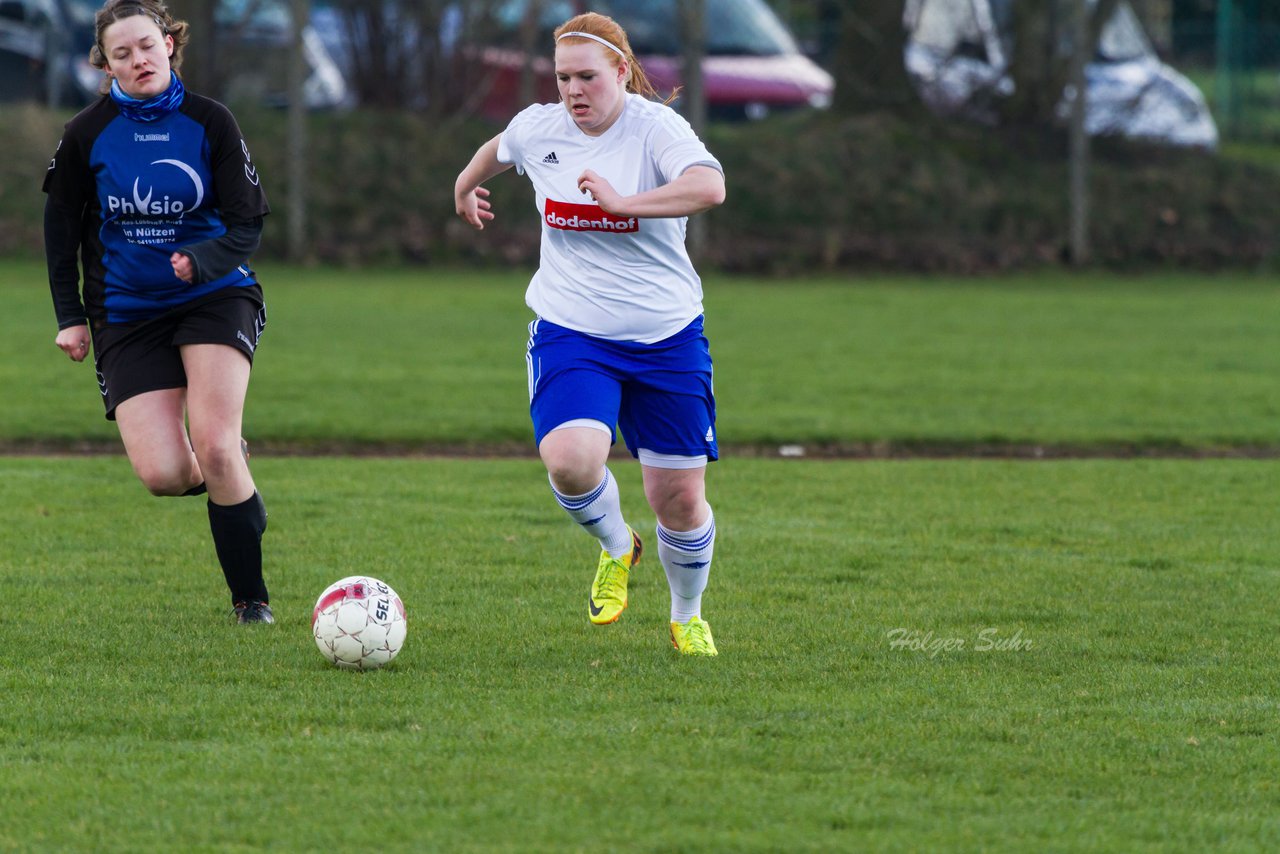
[422, 357]
[922, 655]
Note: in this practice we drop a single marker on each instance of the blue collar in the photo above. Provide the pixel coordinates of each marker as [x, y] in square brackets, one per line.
[149, 109]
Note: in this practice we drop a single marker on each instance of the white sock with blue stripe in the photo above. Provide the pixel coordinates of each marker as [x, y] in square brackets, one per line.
[686, 558]
[599, 512]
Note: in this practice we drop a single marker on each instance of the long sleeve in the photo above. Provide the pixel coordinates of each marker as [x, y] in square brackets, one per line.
[213, 259]
[62, 249]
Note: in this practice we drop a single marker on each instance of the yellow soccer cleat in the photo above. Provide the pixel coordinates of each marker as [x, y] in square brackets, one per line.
[693, 637]
[609, 591]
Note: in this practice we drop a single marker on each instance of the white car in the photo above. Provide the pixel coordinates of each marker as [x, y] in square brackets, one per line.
[957, 57]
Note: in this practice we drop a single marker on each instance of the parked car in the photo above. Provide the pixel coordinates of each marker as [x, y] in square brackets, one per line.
[752, 67]
[253, 43]
[44, 53]
[957, 57]
[33, 31]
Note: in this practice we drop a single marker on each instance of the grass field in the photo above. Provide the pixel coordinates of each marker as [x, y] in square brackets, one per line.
[412, 357]
[1115, 689]
[947, 655]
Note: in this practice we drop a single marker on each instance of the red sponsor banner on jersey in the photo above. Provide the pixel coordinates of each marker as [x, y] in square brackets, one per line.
[571, 217]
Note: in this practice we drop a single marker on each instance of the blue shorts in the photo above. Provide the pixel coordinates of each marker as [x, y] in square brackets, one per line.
[659, 395]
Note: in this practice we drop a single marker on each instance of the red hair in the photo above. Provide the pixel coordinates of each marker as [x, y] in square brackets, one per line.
[606, 28]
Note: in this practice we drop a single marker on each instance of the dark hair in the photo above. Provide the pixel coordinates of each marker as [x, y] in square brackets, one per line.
[604, 27]
[156, 10]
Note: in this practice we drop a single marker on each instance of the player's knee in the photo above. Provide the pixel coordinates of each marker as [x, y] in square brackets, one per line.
[164, 482]
[681, 509]
[219, 461]
[573, 470]
[574, 476]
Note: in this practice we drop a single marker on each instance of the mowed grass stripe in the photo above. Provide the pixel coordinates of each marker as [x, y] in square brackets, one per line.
[436, 358]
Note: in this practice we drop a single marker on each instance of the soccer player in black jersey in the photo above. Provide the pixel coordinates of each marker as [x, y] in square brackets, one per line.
[153, 189]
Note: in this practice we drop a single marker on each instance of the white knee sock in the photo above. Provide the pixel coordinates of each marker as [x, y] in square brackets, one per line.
[686, 557]
[599, 512]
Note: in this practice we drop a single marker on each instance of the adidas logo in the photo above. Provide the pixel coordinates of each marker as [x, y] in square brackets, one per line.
[711, 435]
[551, 158]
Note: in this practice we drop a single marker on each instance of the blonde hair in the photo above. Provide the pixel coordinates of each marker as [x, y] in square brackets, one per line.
[606, 28]
[156, 10]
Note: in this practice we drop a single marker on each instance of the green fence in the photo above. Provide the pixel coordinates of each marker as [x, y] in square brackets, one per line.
[1231, 49]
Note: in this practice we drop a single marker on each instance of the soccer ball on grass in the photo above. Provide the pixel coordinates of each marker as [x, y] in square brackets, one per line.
[359, 623]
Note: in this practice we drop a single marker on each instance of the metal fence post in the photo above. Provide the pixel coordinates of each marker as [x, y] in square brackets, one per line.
[1224, 78]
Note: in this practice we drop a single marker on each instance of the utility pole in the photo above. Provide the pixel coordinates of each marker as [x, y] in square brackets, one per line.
[55, 67]
[530, 48]
[694, 97]
[297, 134]
[1227, 66]
[200, 66]
[1078, 139]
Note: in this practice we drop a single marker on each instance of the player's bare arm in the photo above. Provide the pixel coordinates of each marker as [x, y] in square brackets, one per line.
[698, 188]
[471, 200]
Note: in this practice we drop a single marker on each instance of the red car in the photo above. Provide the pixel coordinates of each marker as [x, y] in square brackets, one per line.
[752, 66]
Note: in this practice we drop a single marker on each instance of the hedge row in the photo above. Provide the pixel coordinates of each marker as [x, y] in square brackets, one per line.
[806, 193]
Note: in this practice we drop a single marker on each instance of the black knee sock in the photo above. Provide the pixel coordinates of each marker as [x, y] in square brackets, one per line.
[237, 536]
[198, 489]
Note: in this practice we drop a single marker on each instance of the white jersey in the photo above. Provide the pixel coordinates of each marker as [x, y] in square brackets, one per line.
[622, 278]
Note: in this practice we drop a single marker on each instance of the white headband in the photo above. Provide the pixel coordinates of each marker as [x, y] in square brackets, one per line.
[604, 42]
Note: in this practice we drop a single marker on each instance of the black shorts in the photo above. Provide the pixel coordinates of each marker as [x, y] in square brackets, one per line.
[134, 358]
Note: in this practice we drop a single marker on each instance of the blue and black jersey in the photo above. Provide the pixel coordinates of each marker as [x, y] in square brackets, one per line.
[131, 194]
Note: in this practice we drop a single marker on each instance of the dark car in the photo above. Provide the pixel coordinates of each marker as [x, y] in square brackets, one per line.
[44, 51]
[253, 38]
[752, 68]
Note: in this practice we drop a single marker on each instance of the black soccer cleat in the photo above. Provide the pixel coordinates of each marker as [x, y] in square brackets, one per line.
[253, 611]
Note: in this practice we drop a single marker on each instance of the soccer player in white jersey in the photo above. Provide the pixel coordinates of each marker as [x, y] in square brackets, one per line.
[618, 339]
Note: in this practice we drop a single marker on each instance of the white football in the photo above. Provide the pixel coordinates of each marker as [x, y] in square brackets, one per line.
[359, 623]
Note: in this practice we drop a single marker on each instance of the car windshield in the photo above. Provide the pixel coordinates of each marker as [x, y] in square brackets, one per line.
[1122, 38]
[734, 27]
[944, 26]
[951, 26]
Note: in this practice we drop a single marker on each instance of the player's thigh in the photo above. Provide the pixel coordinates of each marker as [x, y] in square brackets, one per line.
[217, 339]
[155, 438]
[217, 382]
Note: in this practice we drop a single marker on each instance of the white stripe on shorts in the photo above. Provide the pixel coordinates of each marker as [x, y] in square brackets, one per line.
[670, 461]
[528, 360]
[583, 422]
